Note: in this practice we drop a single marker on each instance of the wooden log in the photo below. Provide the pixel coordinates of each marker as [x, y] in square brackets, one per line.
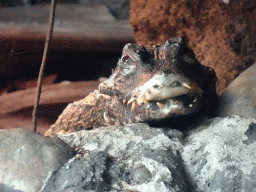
[64, 92]
[9, 121]
[77, 27]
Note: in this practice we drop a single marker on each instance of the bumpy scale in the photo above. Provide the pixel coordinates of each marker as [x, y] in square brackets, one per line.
[149, 83]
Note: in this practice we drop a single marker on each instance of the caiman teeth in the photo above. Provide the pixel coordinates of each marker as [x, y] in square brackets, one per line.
[142, 100]
[186, 85]
[131, 100]
[142, 95]
[134, 105]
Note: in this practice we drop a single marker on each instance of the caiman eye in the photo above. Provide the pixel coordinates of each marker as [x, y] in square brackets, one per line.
[125, 58]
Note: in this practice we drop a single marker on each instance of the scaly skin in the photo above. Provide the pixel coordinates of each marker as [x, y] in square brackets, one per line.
[149, 83]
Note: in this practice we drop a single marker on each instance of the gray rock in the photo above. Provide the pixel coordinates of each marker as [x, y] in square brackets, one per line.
[28, 159]
[240, 96]
[5, 188]
[130, 158]
[220, 155]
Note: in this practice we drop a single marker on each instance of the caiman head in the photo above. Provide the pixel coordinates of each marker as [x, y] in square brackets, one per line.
[158, 82]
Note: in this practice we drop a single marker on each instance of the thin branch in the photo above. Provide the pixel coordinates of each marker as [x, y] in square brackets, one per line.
[41, 72]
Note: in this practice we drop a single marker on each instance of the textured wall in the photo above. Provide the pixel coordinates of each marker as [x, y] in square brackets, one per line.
[219, 32]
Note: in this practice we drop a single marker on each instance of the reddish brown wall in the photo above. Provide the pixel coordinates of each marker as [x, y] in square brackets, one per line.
[220, 34]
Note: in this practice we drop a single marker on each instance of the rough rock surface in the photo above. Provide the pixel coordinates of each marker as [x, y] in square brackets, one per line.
[220, 155]
[216, 156]
[5, 188]
[150, 83]
[28, 159]
[221, 33]
[240, 96]
[131, 158]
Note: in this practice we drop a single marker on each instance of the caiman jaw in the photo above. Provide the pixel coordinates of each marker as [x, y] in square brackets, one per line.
[159, 89]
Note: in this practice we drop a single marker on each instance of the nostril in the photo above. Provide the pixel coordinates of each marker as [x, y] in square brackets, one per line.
[155, 86]
[175, 84]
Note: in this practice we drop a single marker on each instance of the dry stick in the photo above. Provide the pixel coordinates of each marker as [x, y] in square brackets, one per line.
[41, 72]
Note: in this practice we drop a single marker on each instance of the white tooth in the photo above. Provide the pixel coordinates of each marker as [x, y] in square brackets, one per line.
[142, 94]
[134, 105]
[160, 105]
[186, 85]
[124, 101]
[131, 100]
[142, 100]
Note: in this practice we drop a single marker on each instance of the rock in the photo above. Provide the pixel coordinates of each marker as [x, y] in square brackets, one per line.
[130, 158]
[220, 155]
[216, 156]
[28, 159]
[240, 96]
[5, 188]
